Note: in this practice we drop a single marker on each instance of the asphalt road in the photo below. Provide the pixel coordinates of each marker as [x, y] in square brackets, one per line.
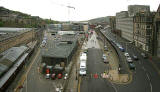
[95, 66]
[145, 77]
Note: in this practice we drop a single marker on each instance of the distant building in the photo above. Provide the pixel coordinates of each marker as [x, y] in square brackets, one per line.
[156, 48]
[144, 30]
[133, 9]
[112, 22]
[113, 25]
[124, 20]
[125, 25]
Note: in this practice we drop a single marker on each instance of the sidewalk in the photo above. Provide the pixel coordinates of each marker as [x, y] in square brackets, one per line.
[113, 63]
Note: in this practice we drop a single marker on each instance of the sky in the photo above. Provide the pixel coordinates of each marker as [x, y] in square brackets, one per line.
[84, 9]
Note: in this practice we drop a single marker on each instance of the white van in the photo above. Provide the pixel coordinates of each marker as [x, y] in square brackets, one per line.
[83, 69]
[83, 57]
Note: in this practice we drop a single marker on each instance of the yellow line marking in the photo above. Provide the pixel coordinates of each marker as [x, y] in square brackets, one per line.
[79, 85]
[23, 78]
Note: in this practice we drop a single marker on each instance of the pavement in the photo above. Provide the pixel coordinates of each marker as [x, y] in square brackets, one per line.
[115, 75]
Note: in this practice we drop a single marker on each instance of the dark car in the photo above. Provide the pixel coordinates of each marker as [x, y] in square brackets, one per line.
[105, 48]
[131, 66]
[135, 57]
[144, 55]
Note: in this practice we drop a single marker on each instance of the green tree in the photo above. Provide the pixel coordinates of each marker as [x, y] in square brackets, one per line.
[1, 24]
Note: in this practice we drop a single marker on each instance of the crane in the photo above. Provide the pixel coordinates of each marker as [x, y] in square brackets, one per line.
[67, 6]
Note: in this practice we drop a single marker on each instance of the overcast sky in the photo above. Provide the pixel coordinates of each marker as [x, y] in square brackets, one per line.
[84, 9]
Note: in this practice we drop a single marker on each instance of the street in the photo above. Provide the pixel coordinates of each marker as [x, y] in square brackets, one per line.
[145, 77]
[95, 66]
[93, 82]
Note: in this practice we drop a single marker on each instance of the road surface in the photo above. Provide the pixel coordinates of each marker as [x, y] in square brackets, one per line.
[145, 77]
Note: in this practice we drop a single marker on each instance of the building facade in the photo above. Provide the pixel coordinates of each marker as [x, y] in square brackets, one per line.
[143, 31]
[133, 9]
[156, 49]
[124, 20]
[112, 21]
[125, 25]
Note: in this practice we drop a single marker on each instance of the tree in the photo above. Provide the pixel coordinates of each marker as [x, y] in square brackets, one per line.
[1, 24]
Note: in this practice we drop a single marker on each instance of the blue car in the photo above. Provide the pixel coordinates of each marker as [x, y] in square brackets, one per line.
[122, 49]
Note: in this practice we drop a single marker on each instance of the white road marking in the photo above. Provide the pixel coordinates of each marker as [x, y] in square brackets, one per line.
[148, 77]
[151, 86]
[114, 87]
[143, 68]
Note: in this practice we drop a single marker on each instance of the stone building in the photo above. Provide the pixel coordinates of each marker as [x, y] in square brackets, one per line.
[112, 21]
[124, 20]
[156, 51]
[144, 30]
[133, 9]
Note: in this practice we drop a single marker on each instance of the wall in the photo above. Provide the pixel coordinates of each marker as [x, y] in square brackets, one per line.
[17, 40]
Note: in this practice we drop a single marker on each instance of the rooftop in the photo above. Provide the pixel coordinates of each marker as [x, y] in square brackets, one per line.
[9, 57]
[59, 45]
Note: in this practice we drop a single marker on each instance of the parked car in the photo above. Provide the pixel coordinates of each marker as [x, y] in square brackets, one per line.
[59, 76]
[105, 61]
[126, 54]
[53, 76]
[105, 48]
[104, 57]
[135, 57]
[131, 66]
[121, 49]
[144, 55]
[129, 60]
[47, 76]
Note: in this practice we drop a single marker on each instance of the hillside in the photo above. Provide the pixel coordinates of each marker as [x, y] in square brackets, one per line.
[10, 18]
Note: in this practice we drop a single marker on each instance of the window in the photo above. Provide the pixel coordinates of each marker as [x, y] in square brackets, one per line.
[148, 27]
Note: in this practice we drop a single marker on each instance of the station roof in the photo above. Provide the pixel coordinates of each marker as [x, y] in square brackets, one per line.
[60, 48]
[9, 57]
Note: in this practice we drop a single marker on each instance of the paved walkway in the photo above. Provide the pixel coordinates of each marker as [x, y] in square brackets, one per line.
[93, 42]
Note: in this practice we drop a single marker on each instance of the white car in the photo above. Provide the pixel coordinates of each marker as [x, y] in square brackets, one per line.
[126, 54]
[47, 76]
[129, 60]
